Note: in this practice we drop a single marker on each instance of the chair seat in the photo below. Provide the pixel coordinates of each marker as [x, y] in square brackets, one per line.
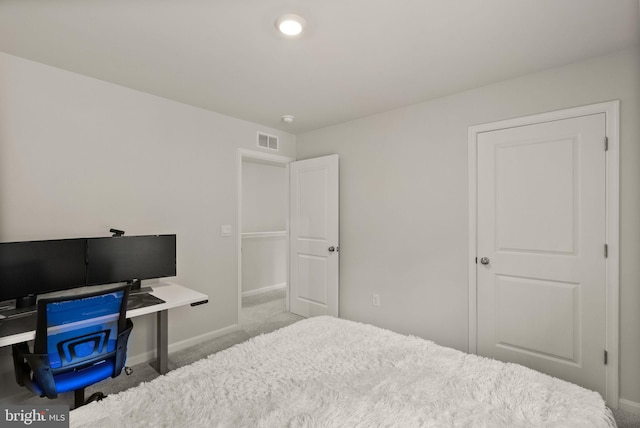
[73, 380]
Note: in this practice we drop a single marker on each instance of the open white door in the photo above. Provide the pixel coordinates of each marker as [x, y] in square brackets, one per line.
[313, 235]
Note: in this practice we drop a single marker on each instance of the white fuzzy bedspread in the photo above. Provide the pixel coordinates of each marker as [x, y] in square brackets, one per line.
[328, 372]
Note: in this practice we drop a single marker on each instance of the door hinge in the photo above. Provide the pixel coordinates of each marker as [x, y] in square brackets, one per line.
[606, 357]
[606, 143]
[606, 251]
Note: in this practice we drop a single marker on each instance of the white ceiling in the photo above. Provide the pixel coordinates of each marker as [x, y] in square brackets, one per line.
[357, 57]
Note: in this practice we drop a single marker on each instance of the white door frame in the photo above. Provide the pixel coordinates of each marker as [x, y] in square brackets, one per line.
[256, 155]
[611, 109]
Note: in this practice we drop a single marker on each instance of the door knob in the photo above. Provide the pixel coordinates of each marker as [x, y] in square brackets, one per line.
[485, 260]
[332, 249]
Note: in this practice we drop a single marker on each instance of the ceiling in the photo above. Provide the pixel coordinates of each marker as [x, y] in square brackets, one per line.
[356, 57]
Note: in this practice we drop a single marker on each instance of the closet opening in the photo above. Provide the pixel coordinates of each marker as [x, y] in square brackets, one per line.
[263, 247]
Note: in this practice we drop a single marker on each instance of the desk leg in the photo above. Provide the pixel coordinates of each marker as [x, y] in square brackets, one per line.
[162, 343]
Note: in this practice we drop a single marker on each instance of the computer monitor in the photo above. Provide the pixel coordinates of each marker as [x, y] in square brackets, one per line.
[38, 267]
[128, 258]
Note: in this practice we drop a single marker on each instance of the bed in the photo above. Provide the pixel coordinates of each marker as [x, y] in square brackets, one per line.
[330, 372]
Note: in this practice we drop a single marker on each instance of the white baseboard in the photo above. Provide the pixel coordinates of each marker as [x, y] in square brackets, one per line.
[629, 406]
[264, 289]
[178, 346]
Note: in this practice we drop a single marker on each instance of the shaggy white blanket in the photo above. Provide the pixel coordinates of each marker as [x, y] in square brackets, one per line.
[328, 372]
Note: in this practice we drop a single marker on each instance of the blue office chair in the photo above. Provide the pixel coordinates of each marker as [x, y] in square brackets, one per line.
[80, 340]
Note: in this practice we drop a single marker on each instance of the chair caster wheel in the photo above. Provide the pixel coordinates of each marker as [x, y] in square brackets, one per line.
[96, 396]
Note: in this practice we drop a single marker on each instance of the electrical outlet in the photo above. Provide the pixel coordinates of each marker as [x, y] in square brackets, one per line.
[376, 300]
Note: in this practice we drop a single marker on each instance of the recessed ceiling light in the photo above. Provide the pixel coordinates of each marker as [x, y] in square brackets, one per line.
[290, 24]
[287, 118]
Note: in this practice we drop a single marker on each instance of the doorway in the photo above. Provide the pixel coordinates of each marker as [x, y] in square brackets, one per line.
[543, 282]
[262, 240]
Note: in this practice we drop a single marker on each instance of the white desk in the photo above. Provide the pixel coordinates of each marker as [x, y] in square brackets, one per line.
[174, 295]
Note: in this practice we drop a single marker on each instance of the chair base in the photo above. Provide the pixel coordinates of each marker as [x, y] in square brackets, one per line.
[80, 401]
[96, 396]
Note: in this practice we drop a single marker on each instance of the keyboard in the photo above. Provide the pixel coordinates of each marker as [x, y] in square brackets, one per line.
[142, 300]
[19, 312]
[18, 324]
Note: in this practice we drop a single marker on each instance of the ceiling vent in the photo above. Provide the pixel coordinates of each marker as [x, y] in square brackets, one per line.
[267, 141]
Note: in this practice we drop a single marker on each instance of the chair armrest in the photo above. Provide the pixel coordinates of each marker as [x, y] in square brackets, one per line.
[20, 367]
[26, 364]
[121, 348]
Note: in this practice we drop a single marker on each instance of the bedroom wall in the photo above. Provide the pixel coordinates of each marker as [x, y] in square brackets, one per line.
[264, 197]
[403, 200]
[264, 263]
[79, 156]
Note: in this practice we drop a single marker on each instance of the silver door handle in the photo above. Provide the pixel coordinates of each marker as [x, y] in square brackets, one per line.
[332, 249]
[485, 260]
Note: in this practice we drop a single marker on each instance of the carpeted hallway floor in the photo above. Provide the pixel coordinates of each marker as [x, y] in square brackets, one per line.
[265, 312]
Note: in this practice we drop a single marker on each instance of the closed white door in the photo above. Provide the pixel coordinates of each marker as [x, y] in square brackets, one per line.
[314, 242]
[541, 248]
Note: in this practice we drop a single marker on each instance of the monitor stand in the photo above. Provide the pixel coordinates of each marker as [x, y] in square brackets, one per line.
[136, 287]
[26, 301]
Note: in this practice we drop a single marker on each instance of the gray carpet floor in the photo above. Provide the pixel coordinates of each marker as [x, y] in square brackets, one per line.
[260, 314]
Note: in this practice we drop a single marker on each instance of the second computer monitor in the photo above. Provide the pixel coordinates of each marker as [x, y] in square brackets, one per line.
[125, 258]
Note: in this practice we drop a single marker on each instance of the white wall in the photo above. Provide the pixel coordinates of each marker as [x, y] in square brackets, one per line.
[403, 199]
[264, 197]
[264, 209]
[79, 155]
[264, 263]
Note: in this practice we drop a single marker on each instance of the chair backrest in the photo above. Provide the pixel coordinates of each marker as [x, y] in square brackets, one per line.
[74, 331]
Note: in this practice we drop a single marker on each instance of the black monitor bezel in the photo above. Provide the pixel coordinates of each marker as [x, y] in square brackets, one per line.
[116, 279]
[18, 291]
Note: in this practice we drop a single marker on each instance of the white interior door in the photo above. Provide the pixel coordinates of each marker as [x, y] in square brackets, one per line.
[541, 272]
[313, 235]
